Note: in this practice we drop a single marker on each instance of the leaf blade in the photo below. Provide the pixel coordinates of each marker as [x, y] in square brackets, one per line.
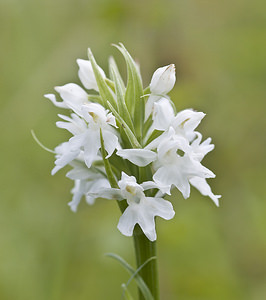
[140, 282]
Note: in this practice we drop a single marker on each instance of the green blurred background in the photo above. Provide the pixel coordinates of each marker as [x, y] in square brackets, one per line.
[48, 252]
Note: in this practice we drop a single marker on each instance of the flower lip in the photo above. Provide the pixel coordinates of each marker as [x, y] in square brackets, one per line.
[94, 113]
[131, 190]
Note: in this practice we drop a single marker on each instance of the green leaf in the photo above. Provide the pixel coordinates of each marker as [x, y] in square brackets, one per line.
[113, 65]
[140, 282]
[147, 126]
[134, 92]
[104, 90]
[110, 83]
[129, 94]
[139, 268]
[132, 138]
[122, 108]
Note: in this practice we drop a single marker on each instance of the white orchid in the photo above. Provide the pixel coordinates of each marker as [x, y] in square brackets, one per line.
[184, 122]
[198, 152]
[175, 166]
[141, 209]
[86, 137]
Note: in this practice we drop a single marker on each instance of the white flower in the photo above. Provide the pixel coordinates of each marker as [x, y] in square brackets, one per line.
[184, 123]
[86, 181]
[97, 116]
[175, 166]
[199, 150]
[86, 137]
[86, 74]
[141, 209]
[67, 151]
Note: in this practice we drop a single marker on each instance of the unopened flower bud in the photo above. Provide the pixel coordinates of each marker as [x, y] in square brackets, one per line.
[163, 80]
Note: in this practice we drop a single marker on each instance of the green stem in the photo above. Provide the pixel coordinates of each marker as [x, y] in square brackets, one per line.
[144, 249]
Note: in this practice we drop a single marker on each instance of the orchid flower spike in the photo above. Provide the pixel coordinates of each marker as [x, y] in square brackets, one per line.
[124, 149]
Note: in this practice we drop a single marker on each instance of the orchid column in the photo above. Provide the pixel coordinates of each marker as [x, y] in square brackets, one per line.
[128, 144]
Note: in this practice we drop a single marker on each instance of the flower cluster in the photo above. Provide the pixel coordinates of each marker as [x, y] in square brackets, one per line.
[128, 143]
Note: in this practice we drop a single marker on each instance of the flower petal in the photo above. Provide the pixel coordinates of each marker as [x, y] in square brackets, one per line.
[139, 157]
[78, 192]
[143, 213]
[91, 146]
[64, 156]
[150, 105]
[147, 185]
[163, 114]
[74, 125]
[110, 142]
[95, 186]
[186, 121]
[200, 150]
[107, 193]
[127, 222]
[202, 185]
[160, 207]
[164, 177]
[80, 171]
[52, 98]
